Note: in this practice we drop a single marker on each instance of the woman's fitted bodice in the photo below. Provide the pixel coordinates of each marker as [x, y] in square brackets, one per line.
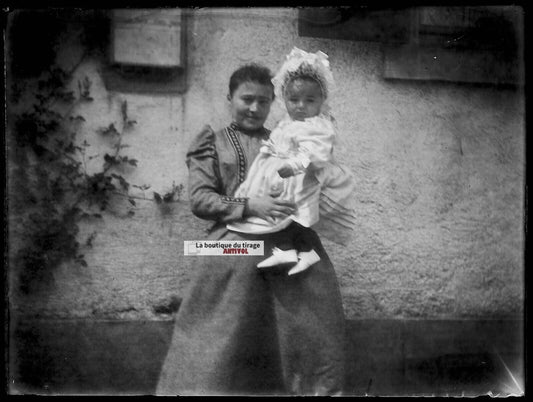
[218, 162]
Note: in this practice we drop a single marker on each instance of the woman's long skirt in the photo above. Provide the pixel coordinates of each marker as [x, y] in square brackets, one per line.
[245, 331]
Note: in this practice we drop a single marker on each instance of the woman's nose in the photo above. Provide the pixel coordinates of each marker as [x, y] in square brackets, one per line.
[253, 107]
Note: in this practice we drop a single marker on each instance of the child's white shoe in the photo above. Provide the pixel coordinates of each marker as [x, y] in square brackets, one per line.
[279, 257]
[306, 259]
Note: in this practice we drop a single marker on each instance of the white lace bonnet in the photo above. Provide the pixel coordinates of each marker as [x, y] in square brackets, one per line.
[300, 63]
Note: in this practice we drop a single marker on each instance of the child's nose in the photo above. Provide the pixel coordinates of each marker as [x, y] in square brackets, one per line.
[253, 107]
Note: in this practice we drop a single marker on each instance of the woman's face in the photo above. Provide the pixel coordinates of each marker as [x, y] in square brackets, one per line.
[250, 105]
[303, 98]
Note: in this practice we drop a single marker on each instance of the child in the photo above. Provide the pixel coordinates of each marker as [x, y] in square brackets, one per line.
[296, 163]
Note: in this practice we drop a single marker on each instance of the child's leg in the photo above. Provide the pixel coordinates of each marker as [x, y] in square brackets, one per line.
[306, 255]
[300, 237]
[284, 252]
[285, 238]
[305, 260]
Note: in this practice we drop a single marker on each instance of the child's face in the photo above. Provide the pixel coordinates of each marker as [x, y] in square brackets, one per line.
[303, 98]
[250, 105]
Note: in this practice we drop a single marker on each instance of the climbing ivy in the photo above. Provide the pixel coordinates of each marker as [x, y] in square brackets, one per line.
[55, 180]
[52, 188]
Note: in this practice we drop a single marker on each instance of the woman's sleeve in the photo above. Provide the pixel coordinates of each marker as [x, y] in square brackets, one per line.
[205, 185]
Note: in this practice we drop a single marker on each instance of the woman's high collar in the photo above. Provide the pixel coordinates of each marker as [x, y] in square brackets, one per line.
[260, 132]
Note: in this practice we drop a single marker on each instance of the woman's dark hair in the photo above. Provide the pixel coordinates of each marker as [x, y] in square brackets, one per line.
[251, 73]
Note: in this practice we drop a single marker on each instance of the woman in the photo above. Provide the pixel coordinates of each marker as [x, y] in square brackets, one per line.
[239, 330]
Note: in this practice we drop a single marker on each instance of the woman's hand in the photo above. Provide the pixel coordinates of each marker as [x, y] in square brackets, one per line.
[269, 208]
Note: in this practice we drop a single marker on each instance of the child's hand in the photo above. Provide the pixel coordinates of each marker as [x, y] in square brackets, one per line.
[286, 171]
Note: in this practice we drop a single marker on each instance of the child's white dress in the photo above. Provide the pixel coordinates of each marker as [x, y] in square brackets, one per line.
[321, 189]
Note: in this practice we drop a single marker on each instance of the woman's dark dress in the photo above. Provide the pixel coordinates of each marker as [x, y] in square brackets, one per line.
[239, 330]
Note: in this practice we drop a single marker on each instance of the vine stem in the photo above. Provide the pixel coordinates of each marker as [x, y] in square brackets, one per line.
[133, 196]
[70, 74]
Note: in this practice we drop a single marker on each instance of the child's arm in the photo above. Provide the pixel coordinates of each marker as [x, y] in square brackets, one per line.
[315, 146]
[287, 170]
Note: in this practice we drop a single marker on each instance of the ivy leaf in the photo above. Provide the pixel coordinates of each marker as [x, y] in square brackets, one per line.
[132, 202]
[124, 184]
[84, 89]
[103, 206]
[157, 198]
[168, 197]
[90, 239]
[86, 84]
[111, 160]
[66, 96]
[133, 162]
[53, 115]
[109, 130]
[87, 215]
[143, 187]
[130, 123]
[124, 111]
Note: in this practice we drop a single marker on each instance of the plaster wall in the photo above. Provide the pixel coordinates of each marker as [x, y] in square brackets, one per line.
[439, 170]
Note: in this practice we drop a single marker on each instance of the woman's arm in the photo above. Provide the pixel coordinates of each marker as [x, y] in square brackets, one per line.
[205, 184]
[205, 188]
